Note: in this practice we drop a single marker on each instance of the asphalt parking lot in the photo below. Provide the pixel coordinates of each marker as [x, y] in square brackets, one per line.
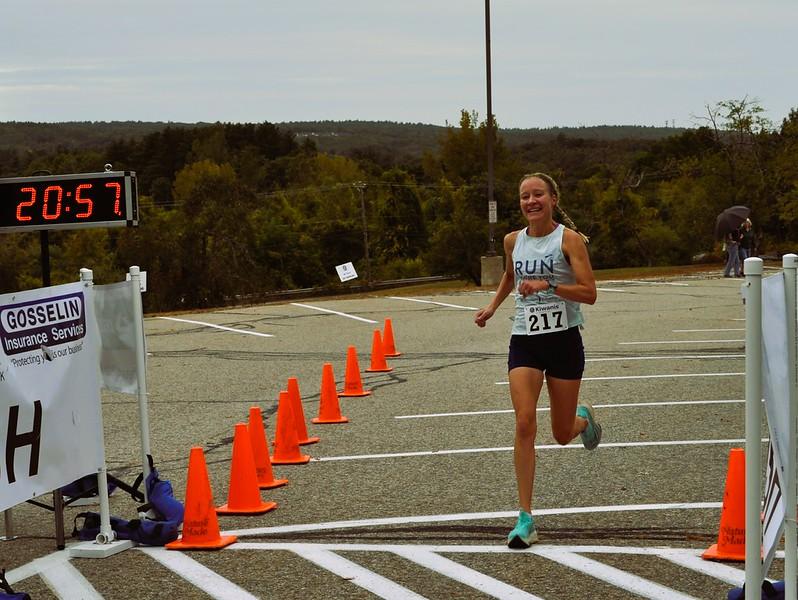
[414, 496]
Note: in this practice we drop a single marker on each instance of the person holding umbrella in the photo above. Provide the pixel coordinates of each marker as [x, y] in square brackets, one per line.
[733, 251]
[746, 241]
[727, 228]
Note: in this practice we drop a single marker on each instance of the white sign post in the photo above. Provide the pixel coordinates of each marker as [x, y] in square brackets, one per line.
[770, 372]
[753, 427]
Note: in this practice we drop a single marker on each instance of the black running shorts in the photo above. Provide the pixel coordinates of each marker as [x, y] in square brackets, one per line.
[561, 354]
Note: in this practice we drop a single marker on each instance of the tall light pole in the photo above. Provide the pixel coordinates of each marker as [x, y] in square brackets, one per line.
[360, 186]
[491, 201]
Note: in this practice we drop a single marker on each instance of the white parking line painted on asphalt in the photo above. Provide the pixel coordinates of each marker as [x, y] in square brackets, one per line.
[222, 327]
[665, 376]
[683, 342]
[540, 447]
[333, 312]
[66, 582]
[675, 357]
[197, 574]
[465, 575]
[546, 408]
[445, 518]
[627, 581]
[431, 302]
[612, 290]
[705, 330]
[644, 282]
[360, 576]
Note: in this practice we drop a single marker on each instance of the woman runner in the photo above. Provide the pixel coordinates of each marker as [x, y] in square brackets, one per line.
[549, 268]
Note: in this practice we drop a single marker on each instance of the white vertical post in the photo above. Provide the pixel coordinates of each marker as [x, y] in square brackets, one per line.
[106, 534]
[141, 372]
[790, 264]
[753, 428]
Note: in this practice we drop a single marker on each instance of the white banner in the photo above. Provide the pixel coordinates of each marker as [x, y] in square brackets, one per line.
[773, 509]
[776, 390]
[50, 416]
[115, 319]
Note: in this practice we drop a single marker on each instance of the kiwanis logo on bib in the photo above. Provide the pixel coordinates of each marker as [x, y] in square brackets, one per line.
[29, 325]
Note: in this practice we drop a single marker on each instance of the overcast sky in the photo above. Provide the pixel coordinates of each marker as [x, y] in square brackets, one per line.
[555, 63]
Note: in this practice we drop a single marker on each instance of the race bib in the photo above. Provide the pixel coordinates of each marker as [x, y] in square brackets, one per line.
[545, 317]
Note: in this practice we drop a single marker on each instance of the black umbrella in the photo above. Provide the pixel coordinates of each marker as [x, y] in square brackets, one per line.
[730, 220]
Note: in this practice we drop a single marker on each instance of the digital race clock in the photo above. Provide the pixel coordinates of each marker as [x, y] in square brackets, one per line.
[107, 199]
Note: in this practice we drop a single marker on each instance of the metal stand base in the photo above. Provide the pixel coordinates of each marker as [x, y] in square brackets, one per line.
[95, 550]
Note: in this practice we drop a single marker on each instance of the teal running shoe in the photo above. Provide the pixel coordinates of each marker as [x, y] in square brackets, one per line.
[524, 533]
[591, 436]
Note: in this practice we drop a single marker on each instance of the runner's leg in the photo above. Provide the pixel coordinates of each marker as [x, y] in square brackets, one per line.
[563, 398]
[525, 386]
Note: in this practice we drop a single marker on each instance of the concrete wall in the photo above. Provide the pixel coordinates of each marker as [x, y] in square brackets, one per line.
[492, 269]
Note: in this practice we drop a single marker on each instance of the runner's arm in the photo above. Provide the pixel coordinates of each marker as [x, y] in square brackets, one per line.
[584, 288]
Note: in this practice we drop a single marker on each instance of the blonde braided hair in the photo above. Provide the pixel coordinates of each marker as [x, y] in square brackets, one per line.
[554, 190]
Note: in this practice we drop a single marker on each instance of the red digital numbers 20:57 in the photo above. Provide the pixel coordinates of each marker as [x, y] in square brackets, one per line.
[69, 201]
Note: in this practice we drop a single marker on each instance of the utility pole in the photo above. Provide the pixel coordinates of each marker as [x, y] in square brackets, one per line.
[492, 264]
[491, 201]
[360, 186]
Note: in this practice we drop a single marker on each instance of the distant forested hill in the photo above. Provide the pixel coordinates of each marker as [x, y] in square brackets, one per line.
[338, 137]
[411, 139]
[25, 136]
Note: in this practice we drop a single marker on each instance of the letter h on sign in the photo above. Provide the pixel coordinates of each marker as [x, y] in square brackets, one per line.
[16, 440]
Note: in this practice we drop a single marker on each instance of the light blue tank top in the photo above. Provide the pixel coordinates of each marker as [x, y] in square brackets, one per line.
[542, 258]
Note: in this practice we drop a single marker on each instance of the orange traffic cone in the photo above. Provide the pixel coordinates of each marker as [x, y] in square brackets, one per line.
[353, 385]
[329, 409]
[731, 537]
[299, 413]
[286, 440]
[378, 364]
[200, 525]
[260, 451]
[388, 345]
[243, 495]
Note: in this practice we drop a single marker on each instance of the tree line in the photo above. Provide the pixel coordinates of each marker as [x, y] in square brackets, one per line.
[235, 210]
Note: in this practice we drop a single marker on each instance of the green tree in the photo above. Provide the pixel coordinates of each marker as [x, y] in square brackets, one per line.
[215, 240]
[401, 233]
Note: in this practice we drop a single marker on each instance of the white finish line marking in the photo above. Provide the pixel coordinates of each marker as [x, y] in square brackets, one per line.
[502, 411]
[360, 576]
[68, 582]
[199, 575]
[222, 327]
[431, 302]
[537, 447]
[446, 518]
[666, 376]
[465, 575]
[333, 312]
[633, 583]
[429, 556]
[693, 561]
